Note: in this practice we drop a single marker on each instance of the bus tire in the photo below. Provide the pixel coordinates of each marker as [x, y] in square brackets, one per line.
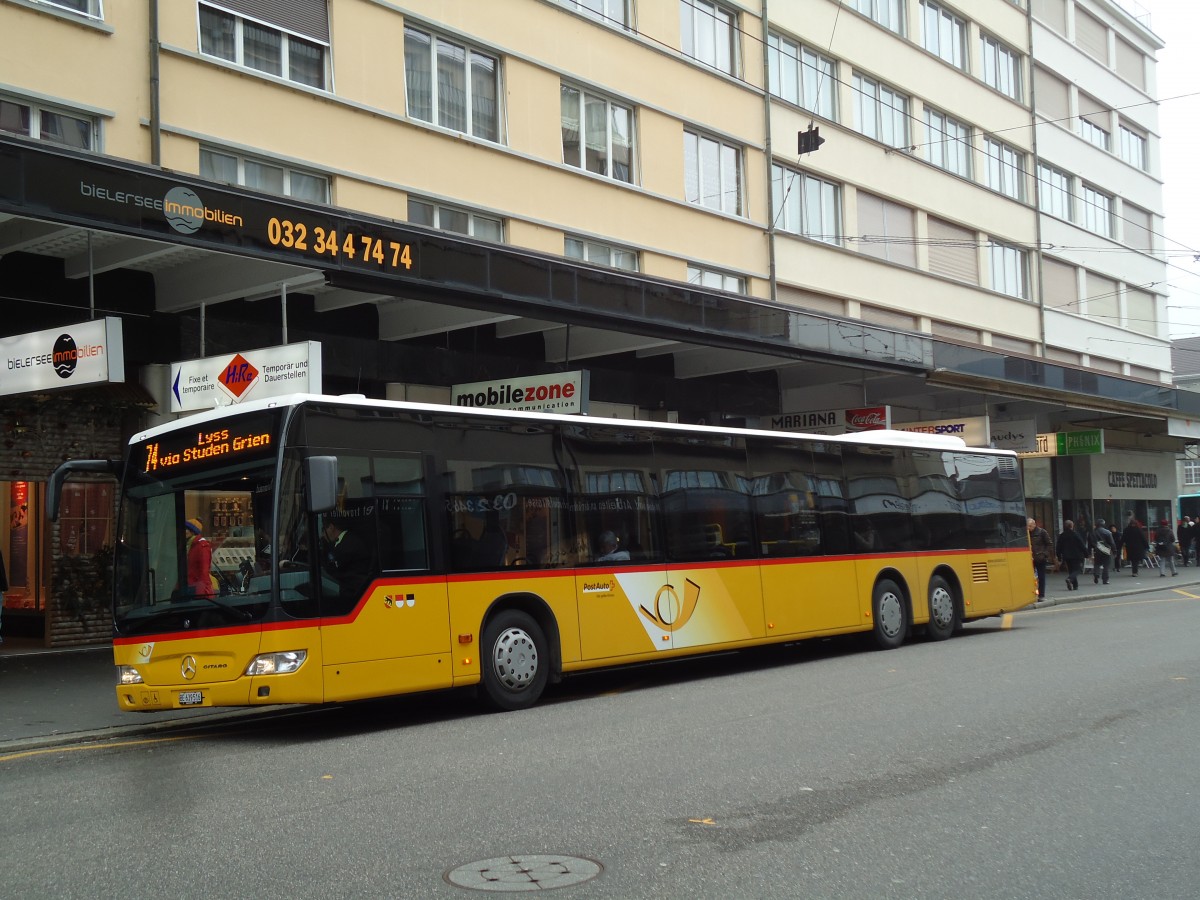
[890, 613]
[943, 609]
[516, 664]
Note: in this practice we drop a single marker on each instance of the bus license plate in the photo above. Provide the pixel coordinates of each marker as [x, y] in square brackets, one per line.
[191, 698]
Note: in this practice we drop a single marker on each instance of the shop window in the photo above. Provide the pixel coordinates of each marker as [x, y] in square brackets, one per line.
[85, 518]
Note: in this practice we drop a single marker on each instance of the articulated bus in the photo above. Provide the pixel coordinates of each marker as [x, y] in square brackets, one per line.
[367, 548]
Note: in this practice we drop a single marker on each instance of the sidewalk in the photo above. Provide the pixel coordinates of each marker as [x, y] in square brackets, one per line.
[54, 697]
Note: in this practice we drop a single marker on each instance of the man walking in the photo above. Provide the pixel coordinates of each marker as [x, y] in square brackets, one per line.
[1043, 553]
[1102, 544]
[1135, 543]
[1072, 550]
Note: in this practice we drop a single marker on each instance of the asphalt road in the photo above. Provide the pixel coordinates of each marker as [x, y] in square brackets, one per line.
[1055, 758]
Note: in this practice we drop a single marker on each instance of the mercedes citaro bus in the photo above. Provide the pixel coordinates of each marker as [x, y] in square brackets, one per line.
[360, 548]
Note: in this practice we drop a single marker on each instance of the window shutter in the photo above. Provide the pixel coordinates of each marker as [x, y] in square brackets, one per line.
[1053, 96]
[1060, 290]
[871, 227]
[1094, 112]
[308, 18]
[1091, 35]
[1140, 307]
[1131, 65]
[953, 251]
[1053, 13]
[1138, 228]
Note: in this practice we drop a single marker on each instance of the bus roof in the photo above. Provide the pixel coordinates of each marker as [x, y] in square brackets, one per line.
[886, 437]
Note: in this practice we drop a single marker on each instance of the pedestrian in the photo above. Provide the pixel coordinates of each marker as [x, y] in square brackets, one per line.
[1042, 549]
[1101, 541]
[3, 588]
[199, 559]
[1135, 543]
[1071, 551]
[1164, 547]
[1187, 533]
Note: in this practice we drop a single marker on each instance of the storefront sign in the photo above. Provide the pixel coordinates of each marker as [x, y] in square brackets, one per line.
[1128, 475]
[972, 429]
[1019, 435]
[250, 375]
[565, 392]
[834, 421]
[88, 353]
[1068, 443]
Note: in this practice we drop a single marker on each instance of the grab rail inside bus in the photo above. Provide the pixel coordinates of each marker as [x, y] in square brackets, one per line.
[68, 468]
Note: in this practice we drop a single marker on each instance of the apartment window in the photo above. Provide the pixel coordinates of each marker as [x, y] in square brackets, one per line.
[708, 32]
[1191, 471]
[1005, 168]
[271, 46]
[1009, 270]
[613, 12]
[1060, 285]
[712, 173]
[882, 112]
[1052, 13]
[1097, 211]
[1091, 35]
[947, 143]
[263, 175]
[1054, 192]
[460, 221]
[1001, 67]
[711, 278]
[91, 8]
[600, 254]
[46, 123]
[597, 134]
[1094, 122]
[802, 76]
[1133, 146]
[886, 230]
[452, 84]
[944, 33]
[888, 13]
[806, 205]
[1131, 64]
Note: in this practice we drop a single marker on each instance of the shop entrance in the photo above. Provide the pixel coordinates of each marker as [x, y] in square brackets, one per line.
[22, 533]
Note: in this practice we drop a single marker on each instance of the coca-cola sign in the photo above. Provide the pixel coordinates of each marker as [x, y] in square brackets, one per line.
[871, 418]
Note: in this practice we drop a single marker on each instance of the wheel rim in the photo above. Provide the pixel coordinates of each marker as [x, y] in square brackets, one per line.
[515, 659]
[941, 606]
[891, 613]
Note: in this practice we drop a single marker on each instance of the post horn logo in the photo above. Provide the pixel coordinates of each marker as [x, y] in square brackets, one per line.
[669, 613]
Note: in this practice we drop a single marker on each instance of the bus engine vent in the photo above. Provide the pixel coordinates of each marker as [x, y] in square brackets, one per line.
[979, 572]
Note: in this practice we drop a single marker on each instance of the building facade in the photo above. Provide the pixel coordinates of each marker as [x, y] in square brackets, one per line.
[617, 186]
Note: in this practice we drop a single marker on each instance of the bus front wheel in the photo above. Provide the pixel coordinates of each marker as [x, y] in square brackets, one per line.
[516, 667]
[890, 613]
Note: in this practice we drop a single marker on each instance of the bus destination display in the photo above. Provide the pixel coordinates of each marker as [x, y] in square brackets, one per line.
[201, 446]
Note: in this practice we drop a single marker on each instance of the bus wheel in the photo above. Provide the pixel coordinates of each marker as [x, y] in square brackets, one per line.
[515, 669]
[891, 615]
[943, 610]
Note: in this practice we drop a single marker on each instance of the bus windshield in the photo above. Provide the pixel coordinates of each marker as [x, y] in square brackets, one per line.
[194, 544]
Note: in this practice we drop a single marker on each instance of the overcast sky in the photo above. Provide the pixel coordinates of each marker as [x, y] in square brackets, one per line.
[1177, 22]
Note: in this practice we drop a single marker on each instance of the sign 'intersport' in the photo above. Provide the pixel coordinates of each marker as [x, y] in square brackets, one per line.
[565, 392]
[252, 374]
[88, 353]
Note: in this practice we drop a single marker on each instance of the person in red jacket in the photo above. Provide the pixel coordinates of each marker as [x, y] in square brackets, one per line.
[199, 559]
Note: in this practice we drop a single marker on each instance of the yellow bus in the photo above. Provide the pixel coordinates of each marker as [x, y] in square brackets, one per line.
[318, 549]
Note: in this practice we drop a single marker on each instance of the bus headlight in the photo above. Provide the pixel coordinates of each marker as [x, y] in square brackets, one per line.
[128, 675]
[277, 663]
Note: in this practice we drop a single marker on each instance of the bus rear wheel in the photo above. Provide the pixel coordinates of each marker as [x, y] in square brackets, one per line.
[890, 612]
[515, 667]
[943, 609]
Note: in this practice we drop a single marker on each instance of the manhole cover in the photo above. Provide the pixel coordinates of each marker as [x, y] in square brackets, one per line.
[524, 873]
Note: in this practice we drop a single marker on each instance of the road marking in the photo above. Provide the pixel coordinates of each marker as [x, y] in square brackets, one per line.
[62, 748]
[705, 821]
[1082, 607]
[1006, 621]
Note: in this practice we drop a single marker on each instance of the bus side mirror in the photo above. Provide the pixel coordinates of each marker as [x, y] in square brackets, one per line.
[63, 472]
[320, 474]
